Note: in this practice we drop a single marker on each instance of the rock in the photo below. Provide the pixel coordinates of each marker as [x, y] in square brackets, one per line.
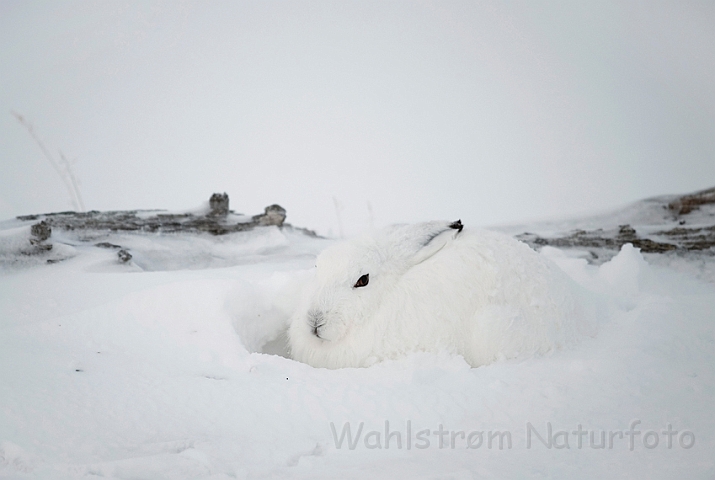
[106, 245]
[124, 256]
[218, 203]
[626, 232]
[273, 215]
[688, 203]
[600, 239]
[40, 232]
[702, 238]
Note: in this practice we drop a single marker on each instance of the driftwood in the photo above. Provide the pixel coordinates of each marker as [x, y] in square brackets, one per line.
[218, 220]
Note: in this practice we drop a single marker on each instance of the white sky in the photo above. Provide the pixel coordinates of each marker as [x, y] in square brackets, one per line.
[485, 111]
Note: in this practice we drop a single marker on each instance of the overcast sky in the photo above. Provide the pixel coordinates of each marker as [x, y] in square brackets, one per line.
[492, 112]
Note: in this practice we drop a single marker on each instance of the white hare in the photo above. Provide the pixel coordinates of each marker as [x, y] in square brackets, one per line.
[433, 287]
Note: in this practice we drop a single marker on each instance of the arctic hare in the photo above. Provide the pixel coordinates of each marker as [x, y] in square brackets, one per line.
[436, 288]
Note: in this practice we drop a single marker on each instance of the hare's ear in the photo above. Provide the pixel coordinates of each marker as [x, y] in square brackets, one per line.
[416, 243]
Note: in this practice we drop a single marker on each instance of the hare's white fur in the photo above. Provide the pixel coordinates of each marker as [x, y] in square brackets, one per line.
[435, 288]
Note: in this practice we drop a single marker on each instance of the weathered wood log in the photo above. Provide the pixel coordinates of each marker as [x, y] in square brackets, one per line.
[217, 221]
[698, 238]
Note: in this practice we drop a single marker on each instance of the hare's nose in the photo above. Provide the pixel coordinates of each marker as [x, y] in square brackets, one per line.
[316, 320]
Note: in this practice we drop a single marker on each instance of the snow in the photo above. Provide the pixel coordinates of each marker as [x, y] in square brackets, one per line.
[174, 366]
[643, 213]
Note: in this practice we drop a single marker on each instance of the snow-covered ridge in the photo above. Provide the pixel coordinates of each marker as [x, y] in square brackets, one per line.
[674, 230]
[662, 212]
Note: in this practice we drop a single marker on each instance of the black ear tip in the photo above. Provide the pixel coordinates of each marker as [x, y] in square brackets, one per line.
[457, 225]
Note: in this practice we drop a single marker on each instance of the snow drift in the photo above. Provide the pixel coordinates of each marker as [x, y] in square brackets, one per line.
[155, 368]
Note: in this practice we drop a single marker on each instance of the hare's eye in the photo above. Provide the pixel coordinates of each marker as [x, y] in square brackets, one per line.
[362, 281]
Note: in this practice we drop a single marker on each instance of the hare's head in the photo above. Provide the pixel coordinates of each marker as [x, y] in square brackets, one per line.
[354, 279]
